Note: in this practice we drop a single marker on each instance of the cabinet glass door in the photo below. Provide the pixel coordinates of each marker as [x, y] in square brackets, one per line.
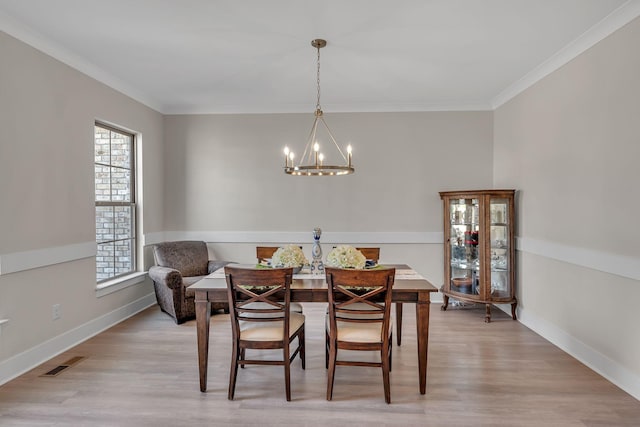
[463, 237]
[500, 250]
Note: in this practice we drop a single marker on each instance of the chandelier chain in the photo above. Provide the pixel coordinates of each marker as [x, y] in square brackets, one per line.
[318, 82]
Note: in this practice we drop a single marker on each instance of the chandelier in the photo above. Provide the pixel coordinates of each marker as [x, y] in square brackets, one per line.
[312, 161]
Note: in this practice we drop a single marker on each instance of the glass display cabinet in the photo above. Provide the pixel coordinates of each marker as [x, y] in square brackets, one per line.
[479, 252]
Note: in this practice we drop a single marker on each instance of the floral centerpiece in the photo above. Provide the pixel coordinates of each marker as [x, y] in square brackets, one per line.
[346, 257]
[289, 256]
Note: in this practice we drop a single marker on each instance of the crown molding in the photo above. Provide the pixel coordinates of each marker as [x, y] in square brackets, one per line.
[608, 25]
[611, 23]
[328, 108]
[36, 40]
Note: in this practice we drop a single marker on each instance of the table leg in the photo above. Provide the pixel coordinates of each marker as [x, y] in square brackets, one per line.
[399, 323]
[203, 316]
[422, 323]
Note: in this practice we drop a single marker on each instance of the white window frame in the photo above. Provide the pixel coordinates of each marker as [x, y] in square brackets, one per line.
[131, 275]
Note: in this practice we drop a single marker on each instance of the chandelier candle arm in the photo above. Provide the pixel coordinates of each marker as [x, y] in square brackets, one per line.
[311, 155]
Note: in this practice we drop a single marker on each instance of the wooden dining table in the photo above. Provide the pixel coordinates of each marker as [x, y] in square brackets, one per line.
[408, 287]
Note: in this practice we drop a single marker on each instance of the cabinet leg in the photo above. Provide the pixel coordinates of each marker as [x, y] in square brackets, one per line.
[513, 309]
[487, 315]
[445, 303]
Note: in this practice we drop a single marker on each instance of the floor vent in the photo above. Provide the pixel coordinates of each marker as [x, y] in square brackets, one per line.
[58, 369]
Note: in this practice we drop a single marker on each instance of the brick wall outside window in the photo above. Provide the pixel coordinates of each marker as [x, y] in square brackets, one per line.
[115, 202]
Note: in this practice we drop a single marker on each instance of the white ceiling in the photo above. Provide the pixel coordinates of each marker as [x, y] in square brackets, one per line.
[228, 56]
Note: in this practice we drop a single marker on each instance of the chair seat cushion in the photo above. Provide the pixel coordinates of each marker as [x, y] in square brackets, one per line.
[359, 332]
[269, 331]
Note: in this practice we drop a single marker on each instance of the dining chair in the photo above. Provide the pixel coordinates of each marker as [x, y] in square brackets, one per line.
[260, 320]
[264, 253]
[348, 329]
[373, 254]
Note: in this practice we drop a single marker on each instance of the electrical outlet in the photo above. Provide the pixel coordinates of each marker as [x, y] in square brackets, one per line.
[56, 311]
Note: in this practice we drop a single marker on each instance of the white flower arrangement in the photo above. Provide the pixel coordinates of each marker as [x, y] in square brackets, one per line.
[346, 257]
[288, 256]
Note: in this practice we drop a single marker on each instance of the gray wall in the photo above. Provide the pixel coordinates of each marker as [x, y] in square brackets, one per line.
[571, 144]
[47, 219]
[224, 173]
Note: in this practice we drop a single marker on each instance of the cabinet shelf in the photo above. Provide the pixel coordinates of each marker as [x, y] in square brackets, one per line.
[466, 268]
[479, 246]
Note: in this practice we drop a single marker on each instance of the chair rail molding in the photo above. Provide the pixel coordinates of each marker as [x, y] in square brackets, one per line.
[352, 237]
[2, 322]
[619, 265]
[27, 260]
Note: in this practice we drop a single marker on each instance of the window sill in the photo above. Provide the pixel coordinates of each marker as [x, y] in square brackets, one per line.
[120, 283]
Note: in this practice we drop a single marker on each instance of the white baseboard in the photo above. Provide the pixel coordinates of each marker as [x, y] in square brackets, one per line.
[29, 359]
[609, 369]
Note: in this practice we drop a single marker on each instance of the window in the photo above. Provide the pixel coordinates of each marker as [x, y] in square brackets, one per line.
[115, 203]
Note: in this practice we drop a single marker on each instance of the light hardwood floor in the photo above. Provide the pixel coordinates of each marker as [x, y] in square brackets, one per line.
[143, 372]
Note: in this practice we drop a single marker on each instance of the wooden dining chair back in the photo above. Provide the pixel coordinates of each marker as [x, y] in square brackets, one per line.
[372, 254]
[264, 253]
[259, 300]
[350, 329]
